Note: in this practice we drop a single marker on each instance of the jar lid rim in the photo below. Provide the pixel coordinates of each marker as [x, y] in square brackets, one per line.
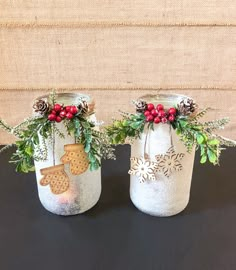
[164, 96]
[76, 96]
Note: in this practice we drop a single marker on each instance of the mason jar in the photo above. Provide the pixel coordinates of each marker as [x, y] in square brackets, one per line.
[84, 189]
[164, 196]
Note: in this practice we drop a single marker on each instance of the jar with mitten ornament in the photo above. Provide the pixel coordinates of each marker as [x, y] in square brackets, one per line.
[66, 185]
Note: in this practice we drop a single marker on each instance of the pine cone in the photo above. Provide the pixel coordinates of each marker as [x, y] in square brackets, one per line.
[41, 106]
[140, 106]
[187, 106]
[83, 107]
[91, 107]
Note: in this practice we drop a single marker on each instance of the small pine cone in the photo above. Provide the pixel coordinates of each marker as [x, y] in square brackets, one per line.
[41, 106]
[91, 107]
[140, 106]
[83, 107]
[187, 107]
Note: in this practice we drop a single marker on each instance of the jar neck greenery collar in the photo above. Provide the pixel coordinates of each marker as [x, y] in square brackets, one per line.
[33, 133]
[183, 117]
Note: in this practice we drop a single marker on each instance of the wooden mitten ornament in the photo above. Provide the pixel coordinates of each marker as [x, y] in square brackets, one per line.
[76, 157]
[56, 178]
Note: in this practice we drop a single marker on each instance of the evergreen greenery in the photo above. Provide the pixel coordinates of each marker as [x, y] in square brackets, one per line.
[131, 126]
[29, 147]
[192, 132]
[34, 134]
[96, 144]
[200, 135]
[5, 126]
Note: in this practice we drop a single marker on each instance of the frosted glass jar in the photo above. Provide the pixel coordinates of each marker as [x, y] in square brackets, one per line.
[84, 189]
[165, 196]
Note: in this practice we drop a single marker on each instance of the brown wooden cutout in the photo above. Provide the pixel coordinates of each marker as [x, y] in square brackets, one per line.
[56, 178]
[76, 157]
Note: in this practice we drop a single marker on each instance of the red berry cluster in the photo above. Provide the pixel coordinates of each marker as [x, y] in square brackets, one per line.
[60, 112]
[159, 114]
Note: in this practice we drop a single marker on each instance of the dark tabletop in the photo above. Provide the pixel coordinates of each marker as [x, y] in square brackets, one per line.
[114, 235]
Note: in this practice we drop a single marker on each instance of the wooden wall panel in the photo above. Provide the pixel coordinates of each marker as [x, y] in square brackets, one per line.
[61, 57]
[108, 45]
[165, 11]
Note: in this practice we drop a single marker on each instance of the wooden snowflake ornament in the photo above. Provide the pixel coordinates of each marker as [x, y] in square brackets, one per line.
[143, 168]
[169, 162]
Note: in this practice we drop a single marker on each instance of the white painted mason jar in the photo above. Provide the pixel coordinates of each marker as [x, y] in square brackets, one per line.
[84, 189]
[164, 196]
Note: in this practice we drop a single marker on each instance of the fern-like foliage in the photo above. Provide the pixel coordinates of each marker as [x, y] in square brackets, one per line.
[130, 126]
[18, 128]
[5, 126]
[201, 114]
[36, 133]
[216, 124]
[200, 135]
[96, 144]
[6, 147]
[29, 147]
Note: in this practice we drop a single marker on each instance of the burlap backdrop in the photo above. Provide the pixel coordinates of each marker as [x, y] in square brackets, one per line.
[115, 51]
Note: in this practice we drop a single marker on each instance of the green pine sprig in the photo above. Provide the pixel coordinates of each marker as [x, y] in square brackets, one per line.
[193, 133]
[131, 126]
[5, 126]
[35, 133]
[6, 147]
[28, 144]
[200, 135]
[96, 144]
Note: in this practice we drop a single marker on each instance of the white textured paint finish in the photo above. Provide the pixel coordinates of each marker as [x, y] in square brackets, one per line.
[84, 190]
[163, 196]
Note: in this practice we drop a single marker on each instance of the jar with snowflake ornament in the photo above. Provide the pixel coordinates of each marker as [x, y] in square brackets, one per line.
[63, 144]
[164, 132]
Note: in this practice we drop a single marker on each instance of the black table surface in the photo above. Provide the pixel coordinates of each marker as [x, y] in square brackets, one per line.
[115, 235]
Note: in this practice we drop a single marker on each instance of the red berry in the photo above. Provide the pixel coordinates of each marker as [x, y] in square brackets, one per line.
[154, 112]
[68, 108]
[149, 118]
[172, 111]
[146, 113]
[53, 112]
[52, 117]
[58, 119]
[161, 114]
[69, 115]
[171, 118]
[150, 106]
[63, 114]
[160, 107]
[57, 107]
[73, 109]
[157, 120]
[164, 120]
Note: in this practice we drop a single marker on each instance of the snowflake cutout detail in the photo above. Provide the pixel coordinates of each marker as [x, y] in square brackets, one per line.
[169, 162]
[143, 168]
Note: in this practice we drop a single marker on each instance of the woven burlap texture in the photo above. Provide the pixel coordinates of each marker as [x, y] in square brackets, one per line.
[173, 56]
[116, 51]
[165, 11]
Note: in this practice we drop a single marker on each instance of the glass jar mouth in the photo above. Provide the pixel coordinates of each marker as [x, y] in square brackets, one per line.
[164, 99]
[68, 98]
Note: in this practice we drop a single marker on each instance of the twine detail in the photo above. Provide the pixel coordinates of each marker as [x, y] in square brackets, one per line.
[53, 145]
[119, 87]
[108, 24]
[171, 138]
[145, 154]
